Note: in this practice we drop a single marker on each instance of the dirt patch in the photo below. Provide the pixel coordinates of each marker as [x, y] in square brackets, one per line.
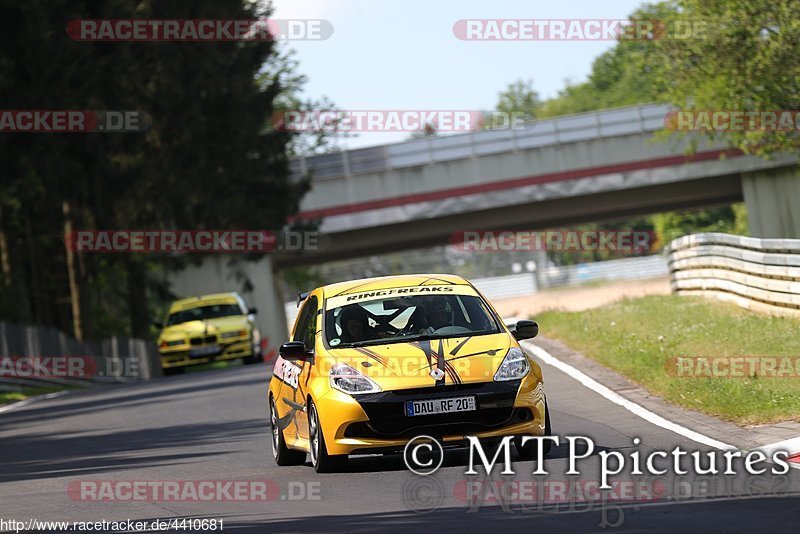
[580, 298]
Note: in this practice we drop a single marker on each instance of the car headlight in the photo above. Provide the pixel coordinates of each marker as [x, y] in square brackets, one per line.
[514, 366]
[237, 333]
[348, 380]
[173, 343]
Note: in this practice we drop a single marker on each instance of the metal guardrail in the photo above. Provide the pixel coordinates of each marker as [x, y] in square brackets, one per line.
[635, 268]
[516, 285]
[758, 274]
[568, 129]
[572, 275]
[500, 287]
[118, 359]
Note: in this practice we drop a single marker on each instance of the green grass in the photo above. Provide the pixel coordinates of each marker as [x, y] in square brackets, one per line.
[635, 337]
[14, 396]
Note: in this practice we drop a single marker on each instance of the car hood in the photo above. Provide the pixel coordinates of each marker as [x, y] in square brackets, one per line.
[409, 365]
[199, 328]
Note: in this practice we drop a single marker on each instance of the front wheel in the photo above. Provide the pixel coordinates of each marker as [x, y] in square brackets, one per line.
[283, 455]
[531, 449]
[320, 459]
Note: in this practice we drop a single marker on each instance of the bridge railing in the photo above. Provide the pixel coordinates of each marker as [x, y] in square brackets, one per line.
[435, 149]
[758, 274]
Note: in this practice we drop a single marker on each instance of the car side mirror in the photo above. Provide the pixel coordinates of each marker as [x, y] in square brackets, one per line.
[294, 351]
[252, 311]
[525, 330]
[158, 324]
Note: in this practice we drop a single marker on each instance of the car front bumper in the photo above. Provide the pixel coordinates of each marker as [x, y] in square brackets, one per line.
[227, 351]
[377, 422]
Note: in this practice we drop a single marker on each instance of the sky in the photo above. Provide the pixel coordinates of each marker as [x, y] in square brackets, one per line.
[403, 54]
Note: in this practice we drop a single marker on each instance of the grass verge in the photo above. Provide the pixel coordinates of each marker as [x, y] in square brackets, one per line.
[15, 396]
[637, 337]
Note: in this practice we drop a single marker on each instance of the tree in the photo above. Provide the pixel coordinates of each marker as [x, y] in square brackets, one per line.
[748, 59]
[746, 56]
[208, 160]
[628, 74]
[519, 97]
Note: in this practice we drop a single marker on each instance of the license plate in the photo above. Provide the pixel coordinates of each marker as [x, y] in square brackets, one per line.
[211, 350]
[435, 406]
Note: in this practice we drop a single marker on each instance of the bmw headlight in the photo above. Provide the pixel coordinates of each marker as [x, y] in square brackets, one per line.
[348, 380]
[514, 366]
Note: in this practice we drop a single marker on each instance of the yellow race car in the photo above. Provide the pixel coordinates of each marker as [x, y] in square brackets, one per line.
[373, 363]
[208, 328]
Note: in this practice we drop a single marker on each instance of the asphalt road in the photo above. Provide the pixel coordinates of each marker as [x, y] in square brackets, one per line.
[213, 426]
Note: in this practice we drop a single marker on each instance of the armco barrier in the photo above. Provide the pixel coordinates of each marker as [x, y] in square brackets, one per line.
[117, 359]
[520, 285]
[758, 274]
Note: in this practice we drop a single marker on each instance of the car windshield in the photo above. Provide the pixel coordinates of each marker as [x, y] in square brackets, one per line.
[201, 313]
[408, 318]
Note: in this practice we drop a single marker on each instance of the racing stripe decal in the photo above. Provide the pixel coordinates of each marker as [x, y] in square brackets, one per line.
[490, 352]
[441, 363]
[424, 282]
[439, 355]
[369, 354]
[453, 373]
[445, 365]
[458, 347]
[347, 291]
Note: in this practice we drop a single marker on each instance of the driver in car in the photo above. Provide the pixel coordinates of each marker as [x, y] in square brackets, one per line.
[355, 324]
[438, 315]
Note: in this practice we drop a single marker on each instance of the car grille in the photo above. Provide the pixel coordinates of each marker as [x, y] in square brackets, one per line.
[387, 419]
[202, 340]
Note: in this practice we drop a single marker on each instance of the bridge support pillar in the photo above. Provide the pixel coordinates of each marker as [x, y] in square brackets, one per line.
[263, 292]
[772, 199]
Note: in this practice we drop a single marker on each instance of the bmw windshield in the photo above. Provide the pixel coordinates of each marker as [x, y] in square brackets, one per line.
[202, 313]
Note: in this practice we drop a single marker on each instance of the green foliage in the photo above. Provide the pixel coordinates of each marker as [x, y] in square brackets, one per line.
[520, 97]
[207, 162]
[637, 337]
[747, 59]
[628, 74]
[741, 56]
[727, 219]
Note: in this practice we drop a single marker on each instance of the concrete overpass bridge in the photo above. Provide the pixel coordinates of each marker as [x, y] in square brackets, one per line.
[554, 172]
[572, 169]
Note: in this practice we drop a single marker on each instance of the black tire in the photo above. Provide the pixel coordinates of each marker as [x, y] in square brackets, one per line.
[531, 449]
[172, 371]
[283, 455]
[320, 459]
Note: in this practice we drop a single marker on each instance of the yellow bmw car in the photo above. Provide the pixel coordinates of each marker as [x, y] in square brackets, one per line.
[373, 363]
[208, 328]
